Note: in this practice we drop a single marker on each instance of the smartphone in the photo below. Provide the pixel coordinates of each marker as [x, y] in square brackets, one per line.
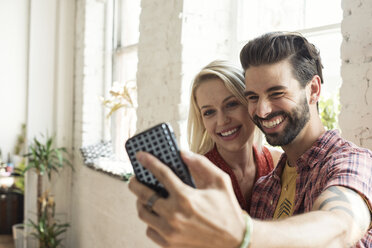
[161, 142]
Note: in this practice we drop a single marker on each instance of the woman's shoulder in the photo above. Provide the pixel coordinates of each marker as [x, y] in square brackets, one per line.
[213, 155]
[266, 159]
[275, 153]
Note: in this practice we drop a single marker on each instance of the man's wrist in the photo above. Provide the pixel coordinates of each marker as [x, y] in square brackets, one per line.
[248, 232]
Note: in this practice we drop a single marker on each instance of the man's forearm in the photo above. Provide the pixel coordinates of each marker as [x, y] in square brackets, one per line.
[339, 218]
[313, 229]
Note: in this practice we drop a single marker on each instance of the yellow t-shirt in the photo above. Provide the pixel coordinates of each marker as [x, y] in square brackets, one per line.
[287, 195]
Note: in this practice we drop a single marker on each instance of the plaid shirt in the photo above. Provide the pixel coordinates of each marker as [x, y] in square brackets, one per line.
[331, 161]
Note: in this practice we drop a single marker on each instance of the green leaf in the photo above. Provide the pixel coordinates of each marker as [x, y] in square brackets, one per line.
[127, 176]
[41, 227]
[49, 143]
[63, 149]
[59, 155]
[28, 167]
[37, 142]
[42, 168]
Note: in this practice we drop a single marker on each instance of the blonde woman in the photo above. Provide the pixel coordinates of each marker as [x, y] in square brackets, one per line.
[220, 128]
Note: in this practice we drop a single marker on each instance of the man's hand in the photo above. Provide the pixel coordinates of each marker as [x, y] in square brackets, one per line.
[208, 216]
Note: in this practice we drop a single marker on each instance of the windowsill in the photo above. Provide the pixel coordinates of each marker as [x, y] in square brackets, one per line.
[100, 157]
[115, 168]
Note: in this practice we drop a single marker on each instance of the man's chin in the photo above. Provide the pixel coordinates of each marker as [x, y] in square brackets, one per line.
[275, 139]
[273, 142]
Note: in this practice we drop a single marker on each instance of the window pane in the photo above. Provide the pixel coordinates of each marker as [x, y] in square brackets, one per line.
[130, 13]
[126, 65]
[124, 123]
[261, 16]
[322, 12]
[258, 17]
[329, 45]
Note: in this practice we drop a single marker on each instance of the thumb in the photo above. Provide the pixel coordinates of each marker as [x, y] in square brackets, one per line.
[204, 172]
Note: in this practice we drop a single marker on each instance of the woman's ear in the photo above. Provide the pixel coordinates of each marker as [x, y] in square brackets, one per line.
[313, 89]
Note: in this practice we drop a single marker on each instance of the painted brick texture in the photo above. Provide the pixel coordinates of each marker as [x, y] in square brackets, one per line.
[356, 54]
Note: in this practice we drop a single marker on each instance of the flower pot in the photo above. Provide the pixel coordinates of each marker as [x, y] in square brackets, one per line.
[18, 235]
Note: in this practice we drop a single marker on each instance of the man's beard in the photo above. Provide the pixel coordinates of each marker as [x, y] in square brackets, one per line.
[297, 119]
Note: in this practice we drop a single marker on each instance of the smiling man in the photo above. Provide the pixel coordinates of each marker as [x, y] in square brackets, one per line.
[320, 193]
[320, 172]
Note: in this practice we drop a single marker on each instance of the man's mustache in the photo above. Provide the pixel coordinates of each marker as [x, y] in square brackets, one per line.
[272, 115]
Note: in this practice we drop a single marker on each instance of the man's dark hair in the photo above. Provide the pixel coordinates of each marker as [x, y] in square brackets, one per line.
[274, 47]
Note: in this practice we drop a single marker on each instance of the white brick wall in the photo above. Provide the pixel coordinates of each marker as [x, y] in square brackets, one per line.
[159, 63]
[356, 54]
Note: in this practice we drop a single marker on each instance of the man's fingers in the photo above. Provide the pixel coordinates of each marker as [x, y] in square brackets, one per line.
[142, 192]
[145, 214]
[155, 224]
[155, 236]
[162, 172]
[151, 217]
[204, 172]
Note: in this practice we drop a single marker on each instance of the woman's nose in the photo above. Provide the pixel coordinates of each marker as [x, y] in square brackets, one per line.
[222, 118]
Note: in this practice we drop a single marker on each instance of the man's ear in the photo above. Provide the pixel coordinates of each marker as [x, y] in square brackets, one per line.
[313, 89]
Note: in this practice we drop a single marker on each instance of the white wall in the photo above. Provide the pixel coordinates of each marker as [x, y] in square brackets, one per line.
[356, 71]
[13, 71]
[36, 78]
[104, 213]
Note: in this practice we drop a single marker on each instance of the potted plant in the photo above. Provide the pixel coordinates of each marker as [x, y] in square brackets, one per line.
[48, 230]
[44, 159]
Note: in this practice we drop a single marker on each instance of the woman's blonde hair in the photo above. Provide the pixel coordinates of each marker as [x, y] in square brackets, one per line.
[233, 79]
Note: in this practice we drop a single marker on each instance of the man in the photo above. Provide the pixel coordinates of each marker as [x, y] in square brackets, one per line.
[320, 190]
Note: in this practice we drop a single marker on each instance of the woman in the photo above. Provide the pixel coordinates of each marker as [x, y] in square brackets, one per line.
[220, 128]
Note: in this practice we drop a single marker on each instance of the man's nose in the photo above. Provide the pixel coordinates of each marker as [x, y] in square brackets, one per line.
[263, 108]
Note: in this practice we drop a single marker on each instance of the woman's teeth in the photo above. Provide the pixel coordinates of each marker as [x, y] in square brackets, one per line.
[271, 124]
[228, 133]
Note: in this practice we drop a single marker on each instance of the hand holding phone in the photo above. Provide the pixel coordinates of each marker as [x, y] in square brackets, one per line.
[160, 141]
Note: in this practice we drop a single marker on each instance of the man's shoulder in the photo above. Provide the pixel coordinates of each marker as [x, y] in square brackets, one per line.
[338, 147]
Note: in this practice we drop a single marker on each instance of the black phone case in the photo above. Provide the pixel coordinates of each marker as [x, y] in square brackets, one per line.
[160, 141]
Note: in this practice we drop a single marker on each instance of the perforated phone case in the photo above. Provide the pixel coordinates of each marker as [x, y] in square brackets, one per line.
[160, 142]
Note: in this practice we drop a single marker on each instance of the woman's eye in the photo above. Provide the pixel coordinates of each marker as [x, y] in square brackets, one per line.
[208, 112]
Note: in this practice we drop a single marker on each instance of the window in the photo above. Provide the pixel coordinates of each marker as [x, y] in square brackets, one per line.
[121, 34]
[125, 42]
